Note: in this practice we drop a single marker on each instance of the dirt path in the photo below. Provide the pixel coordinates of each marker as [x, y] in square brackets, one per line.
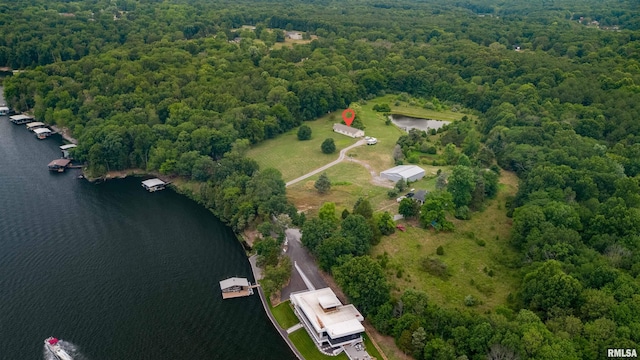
[376, 179]
[343, 153]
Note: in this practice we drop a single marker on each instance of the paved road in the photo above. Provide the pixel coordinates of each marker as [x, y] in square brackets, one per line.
[343, 153]
[306, 263]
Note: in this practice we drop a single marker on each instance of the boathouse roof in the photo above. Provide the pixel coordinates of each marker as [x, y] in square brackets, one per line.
[20, 117]
[153, 182]
[60, 162]
[41, 131]
[35, 124]
[234, 281]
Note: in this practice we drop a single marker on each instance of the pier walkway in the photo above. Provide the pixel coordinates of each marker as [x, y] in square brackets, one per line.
[294, 328]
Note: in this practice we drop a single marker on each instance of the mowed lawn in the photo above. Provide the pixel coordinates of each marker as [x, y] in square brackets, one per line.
[295, 158]
[480, 271]
[308, 349]
[284, 315]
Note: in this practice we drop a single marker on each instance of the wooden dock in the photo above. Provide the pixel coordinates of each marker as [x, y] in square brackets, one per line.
[236, 287]
[240, 293]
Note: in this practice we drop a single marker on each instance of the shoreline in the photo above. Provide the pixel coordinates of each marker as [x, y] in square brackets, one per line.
[65, 133]
[119, 174]
[255, 271]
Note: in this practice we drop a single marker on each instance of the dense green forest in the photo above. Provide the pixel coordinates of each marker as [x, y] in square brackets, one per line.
[181, 88]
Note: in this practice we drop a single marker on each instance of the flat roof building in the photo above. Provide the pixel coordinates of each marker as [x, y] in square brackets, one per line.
[403, 172]
[330, 324]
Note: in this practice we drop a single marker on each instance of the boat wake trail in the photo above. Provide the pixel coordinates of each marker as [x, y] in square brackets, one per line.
[68, 347]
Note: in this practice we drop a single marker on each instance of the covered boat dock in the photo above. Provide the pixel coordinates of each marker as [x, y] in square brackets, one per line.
[59, 165]
[236, 287]
[152, 185]
[35, 125]
[65, 150]
[20, 119]
[42, 133]
[5, 110]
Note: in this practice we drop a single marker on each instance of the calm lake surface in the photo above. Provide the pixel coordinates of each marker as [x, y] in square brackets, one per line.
[407, 123]
[117, 272]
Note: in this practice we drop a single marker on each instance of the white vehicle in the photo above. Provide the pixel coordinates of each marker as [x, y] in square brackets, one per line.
[372, 141]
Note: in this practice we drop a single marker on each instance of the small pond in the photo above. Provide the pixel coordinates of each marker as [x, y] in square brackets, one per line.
[407, 123]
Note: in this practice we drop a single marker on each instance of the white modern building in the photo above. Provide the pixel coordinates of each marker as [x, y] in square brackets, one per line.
[403, 172]
[348, 130]
[330, 324]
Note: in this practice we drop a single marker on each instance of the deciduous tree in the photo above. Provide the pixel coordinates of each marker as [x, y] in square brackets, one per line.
[304, 132]
[461, 184]
[328, 146]
[327, 212]
[364, 282]
[409, 208]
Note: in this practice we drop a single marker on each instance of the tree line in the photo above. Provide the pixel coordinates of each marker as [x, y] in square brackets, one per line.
[160, 86]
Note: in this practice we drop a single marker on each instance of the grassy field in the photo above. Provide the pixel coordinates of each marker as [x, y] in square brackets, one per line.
[289, 42]
[351, 180]
[481, 271]
[308, 349]
[295, 158]
[284, 315]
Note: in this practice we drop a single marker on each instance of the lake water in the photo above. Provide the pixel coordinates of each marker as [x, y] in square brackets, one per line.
[407, 123]
[115, 271]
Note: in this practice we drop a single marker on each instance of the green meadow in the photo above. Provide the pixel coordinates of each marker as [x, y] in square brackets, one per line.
[477, 256]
